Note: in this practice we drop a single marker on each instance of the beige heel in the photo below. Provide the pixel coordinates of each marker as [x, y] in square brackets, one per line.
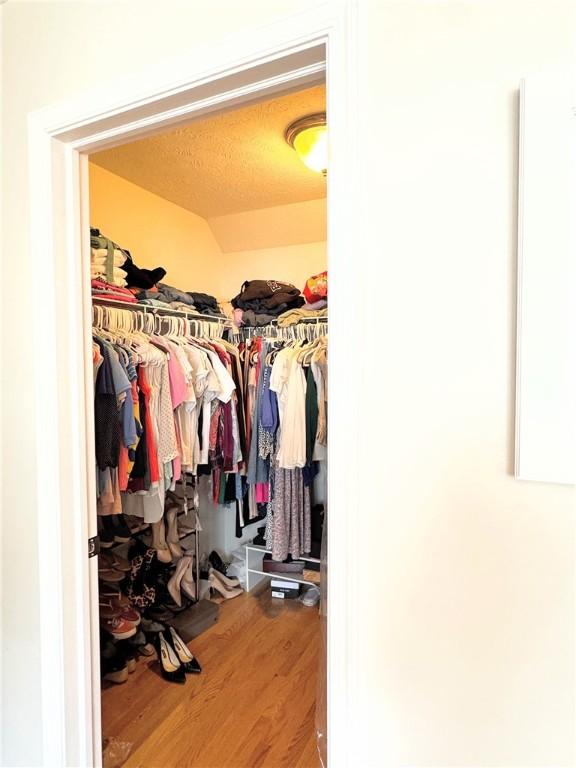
[172, 538]
[159, 541]
[188, 585]
[226, 593]
[174, 584]
[225, 580]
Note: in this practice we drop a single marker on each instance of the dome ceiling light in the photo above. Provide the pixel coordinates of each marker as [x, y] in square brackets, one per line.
[308, 136]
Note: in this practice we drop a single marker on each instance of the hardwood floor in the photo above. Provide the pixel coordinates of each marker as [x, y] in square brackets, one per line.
[253, 706]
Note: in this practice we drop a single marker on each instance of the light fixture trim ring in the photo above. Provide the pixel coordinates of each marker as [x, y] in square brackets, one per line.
[316, 120]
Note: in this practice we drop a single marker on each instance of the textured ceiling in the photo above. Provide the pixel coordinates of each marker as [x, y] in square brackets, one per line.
[233, 162]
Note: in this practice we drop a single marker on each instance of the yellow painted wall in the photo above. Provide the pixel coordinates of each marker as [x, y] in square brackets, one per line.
[156, 232]
[290, 264]
[159, 233]
[274, 227]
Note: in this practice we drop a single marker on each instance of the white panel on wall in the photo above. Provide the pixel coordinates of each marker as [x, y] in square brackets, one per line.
[546, 362]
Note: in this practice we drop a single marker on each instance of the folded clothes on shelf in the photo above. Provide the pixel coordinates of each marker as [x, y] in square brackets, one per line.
[118, 276]
[271, 293]
[269, 297]
[257, 319]
[320, 304]
[155, 303]
[201, 303]
[174, 294]
[100, 256]
[205, 303]
[293, 316]
[113, 292]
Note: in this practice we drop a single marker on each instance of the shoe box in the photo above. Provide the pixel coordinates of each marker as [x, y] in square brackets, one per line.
[196, 619]
[284, 589]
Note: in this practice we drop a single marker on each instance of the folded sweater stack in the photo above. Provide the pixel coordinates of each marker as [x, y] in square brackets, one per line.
[169, 296]
[105, 290]
[293, 316]
[101, 270]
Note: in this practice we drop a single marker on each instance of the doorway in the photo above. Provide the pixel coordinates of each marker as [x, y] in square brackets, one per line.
[60, 137]
[214, 203]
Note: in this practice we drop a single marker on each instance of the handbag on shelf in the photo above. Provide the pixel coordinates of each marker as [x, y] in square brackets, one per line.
[316, 288]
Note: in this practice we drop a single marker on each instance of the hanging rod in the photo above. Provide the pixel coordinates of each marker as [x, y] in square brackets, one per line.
[303, 320]
[148, 309]
[308, 329]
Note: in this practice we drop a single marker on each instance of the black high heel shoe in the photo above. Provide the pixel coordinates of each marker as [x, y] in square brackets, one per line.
[216, 562]
[187, 659]
[170, 665]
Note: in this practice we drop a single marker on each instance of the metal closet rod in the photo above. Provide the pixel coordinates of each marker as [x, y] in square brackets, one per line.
[302, 321]
[273, 324]
[147, 309]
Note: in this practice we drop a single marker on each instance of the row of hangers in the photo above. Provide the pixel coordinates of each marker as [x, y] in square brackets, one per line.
[306, 346]
[297, 332]
[306, 349]
[130, 321]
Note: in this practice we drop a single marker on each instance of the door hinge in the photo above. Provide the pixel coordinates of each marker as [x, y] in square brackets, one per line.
[94, 546]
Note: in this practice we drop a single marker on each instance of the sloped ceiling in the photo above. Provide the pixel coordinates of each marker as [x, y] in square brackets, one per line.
[282, 225]
[234, 162]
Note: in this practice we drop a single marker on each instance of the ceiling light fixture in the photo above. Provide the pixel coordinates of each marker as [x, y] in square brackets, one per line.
[309, 138]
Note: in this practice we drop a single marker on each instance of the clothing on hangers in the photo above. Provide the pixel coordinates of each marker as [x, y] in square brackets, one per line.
[170, 400]
[285, 402]
[149, 391]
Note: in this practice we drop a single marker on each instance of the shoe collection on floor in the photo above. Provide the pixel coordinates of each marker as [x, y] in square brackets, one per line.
[140, 594]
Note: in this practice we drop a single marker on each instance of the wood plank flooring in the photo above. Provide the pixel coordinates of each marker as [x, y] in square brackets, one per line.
[253, 706]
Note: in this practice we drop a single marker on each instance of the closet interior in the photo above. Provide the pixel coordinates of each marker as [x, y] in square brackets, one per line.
[209, 349]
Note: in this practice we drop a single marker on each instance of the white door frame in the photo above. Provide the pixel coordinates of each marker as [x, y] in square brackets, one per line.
[287, 54]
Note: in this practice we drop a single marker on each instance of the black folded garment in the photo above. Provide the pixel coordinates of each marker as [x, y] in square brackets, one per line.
[268, 294]
[260, 307]
[204, 300]
[142, 278]
[257, 319]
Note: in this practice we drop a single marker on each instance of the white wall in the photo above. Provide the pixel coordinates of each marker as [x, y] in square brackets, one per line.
[464, 617]
[466, 623]
[50, 51]
[292, 264]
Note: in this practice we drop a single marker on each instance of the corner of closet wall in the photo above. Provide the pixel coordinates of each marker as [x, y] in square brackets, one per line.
[283, 242]
[154, 230]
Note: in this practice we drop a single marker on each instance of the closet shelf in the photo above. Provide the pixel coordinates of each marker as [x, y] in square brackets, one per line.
[151, 310]
[282, 576]
[253, 550]
[259, 548]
